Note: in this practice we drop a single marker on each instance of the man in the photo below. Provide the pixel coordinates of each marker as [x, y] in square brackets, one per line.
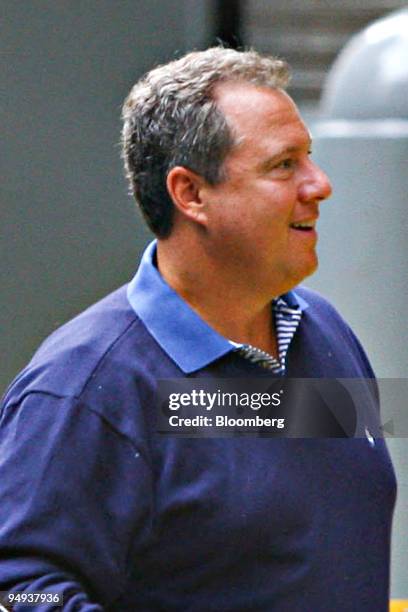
[96, 504]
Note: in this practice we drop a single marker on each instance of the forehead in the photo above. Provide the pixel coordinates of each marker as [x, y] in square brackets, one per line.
[259, 113]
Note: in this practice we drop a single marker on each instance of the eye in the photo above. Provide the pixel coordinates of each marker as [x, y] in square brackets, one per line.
[286, 164]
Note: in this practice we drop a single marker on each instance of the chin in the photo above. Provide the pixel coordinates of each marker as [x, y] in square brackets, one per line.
[306, 271]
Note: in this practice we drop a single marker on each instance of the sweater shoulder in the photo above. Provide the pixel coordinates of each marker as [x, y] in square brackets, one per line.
[326, 317]
[66, 360]
[317, 302]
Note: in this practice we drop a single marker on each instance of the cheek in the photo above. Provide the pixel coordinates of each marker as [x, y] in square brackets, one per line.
[276, 200]
[233, 213]
[259, 211]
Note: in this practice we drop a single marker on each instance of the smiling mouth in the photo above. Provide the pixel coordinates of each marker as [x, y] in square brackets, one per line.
[305, 226]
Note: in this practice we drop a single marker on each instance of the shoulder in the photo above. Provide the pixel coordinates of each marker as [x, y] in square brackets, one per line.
[319, 309]
[68, 359]
[323, 320]
[92, 366]
[316, 301]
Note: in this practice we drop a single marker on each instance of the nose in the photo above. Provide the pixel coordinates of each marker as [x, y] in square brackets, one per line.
[315, 186]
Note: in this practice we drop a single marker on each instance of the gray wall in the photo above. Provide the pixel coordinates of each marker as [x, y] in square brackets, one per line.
[69, 231]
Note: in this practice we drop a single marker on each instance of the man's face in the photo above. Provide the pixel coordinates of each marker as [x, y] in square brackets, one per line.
[271, 187]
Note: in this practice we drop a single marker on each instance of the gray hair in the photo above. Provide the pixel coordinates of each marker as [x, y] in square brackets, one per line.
[171, 119]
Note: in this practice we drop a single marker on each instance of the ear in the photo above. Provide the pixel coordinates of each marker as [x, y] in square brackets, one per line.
[184, 187]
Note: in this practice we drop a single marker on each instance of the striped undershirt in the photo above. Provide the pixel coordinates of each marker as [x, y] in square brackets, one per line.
[287, 321]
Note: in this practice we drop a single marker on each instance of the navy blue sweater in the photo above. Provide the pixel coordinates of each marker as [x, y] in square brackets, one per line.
[96, 505]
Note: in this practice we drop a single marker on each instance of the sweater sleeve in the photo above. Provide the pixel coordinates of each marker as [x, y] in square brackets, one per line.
[74, 496]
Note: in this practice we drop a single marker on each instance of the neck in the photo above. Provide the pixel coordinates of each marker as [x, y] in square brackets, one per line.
[231, 304]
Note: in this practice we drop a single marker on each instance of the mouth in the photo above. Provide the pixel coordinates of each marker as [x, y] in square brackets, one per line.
[304, 226]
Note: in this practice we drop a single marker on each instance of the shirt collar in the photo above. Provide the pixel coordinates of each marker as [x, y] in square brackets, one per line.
[181, 332]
